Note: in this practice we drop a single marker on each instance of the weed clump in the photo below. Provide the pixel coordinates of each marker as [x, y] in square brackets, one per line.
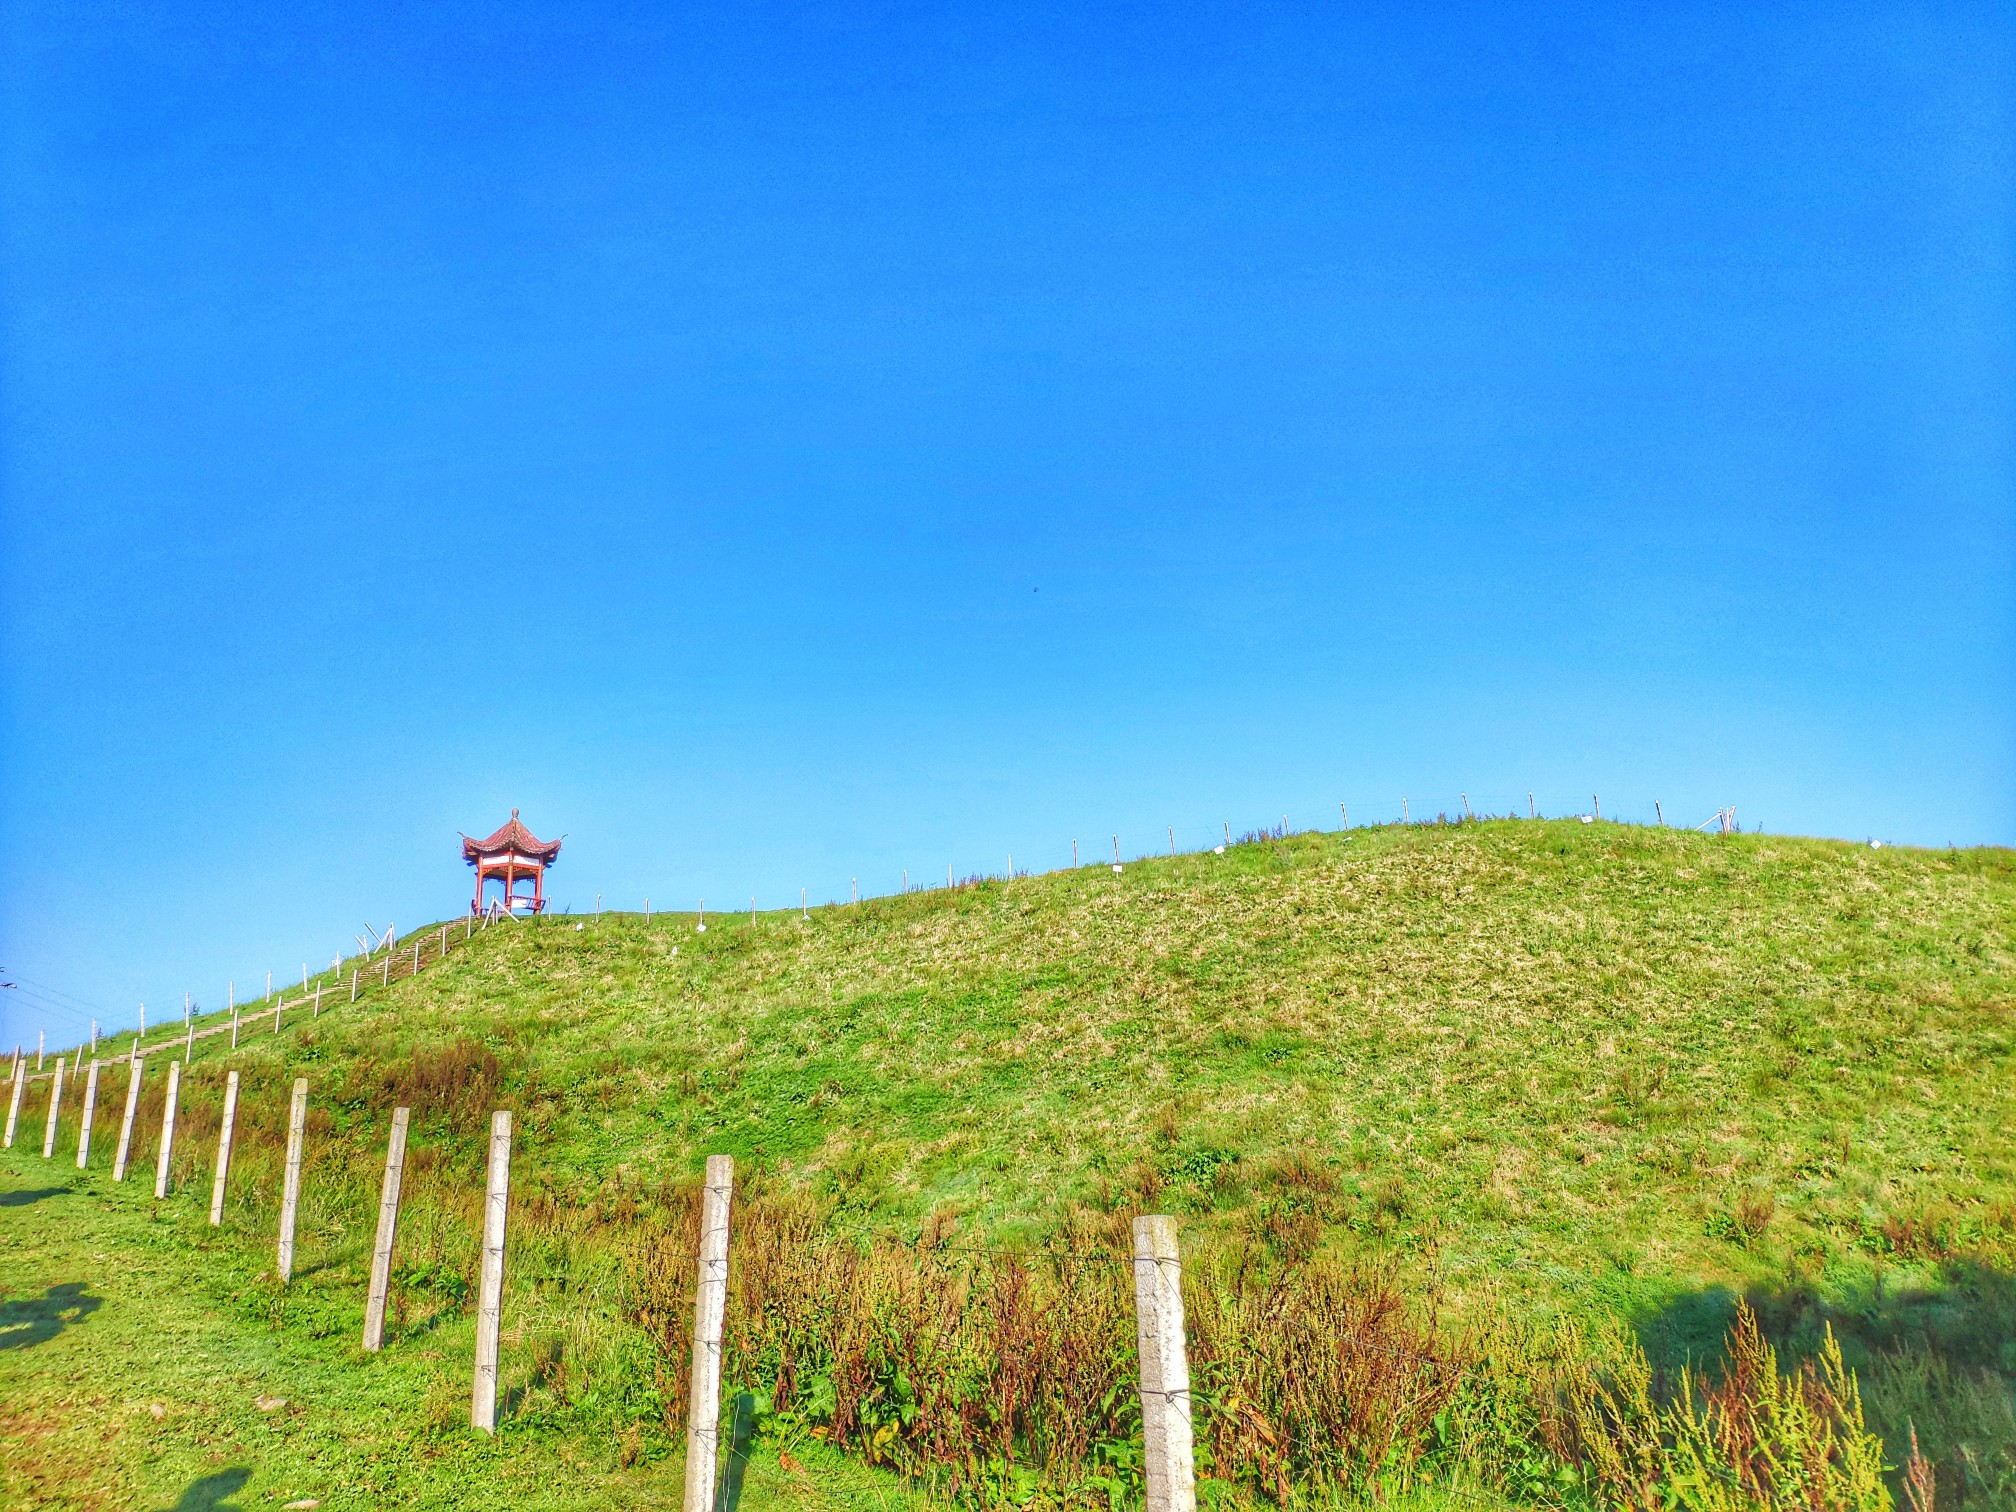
[1009, 1375]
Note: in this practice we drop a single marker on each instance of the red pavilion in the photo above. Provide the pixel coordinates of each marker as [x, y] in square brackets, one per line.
[511, 856]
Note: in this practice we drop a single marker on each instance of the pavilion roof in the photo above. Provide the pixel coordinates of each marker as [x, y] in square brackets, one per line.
[512, 836]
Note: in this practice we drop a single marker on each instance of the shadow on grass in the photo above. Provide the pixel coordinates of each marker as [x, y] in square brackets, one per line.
[421, 1327]
[213, 1493]
[37, 1320]
[22, 1199]
[1964, 1311]
[1934, 1355]
[742, 1429]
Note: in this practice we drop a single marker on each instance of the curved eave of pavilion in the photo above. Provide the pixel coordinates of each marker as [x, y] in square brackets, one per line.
[510, 860]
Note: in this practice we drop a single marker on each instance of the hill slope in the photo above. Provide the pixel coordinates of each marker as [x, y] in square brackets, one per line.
[1549, 1043]
[1529, 1068]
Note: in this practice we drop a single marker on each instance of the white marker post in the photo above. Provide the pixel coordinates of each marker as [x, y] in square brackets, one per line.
[134, 1066]
[167, 1129]
[490, 1300]
[55, 1107]
[224, 1133]
[14, 1099]
[388, 1227]
[1171, 1469]
[290, 1191]
[710, 1310]
[90, 1113]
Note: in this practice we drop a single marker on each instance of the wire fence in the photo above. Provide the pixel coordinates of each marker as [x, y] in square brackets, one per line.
[388, 961]
[402, 959]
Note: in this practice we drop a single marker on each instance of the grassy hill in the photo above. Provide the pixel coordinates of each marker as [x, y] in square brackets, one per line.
[1535, 1074]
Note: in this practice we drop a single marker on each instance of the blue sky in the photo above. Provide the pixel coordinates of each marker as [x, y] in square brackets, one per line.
[780, 446]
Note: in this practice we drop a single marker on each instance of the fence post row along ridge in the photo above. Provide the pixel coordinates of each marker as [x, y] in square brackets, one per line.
[1169, 1461]
[439, 941]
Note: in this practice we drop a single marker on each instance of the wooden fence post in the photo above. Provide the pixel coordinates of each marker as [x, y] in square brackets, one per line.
[388, 1226]
[1171, 1470]
[55, 1107]
[490, 1301]
[14, 1099]
[224, 1132]
[278, 1003]
[290, 1191]
[90, 1112]
[167, 1128]
[710, 1308]
[134, 1066]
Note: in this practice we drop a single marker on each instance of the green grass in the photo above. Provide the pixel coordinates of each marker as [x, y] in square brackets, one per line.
[1547, 1069]
[145, 1364]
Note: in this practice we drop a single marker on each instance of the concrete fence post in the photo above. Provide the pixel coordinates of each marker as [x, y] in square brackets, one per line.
[290, 1191]
[14, 1098]
[167, 1129]
[710, 1310]
[55, 1108]
[134, 1066]
[1171, 1470]
[224, 1133]
[490, 1301]
[388, 1227]
[90, 1113]
[278, 1003]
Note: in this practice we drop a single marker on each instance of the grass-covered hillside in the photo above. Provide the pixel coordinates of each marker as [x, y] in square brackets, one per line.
[1559, 1056]
[1526, 1070]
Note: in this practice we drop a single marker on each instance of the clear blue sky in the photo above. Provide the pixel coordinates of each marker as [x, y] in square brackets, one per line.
[776, 446]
